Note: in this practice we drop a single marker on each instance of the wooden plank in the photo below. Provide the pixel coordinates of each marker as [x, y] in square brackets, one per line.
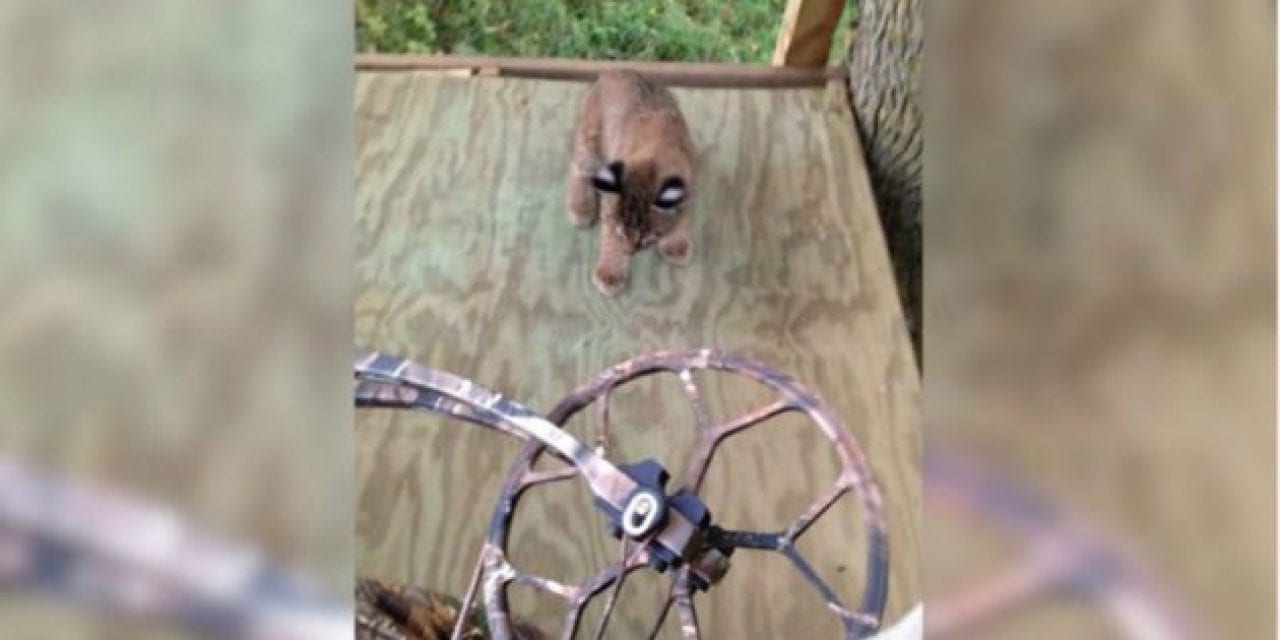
[687, 74]
[808, 26]
[466, 261]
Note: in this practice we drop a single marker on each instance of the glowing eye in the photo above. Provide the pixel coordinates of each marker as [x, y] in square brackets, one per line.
[670, 198]
[608, 178]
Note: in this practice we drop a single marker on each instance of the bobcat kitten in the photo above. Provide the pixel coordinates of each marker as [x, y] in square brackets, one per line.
[632, 167]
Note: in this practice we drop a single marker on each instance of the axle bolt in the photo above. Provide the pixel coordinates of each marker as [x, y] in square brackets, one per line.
[643, 513]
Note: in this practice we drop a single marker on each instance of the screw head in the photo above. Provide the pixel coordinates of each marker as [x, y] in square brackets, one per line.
[642, 514]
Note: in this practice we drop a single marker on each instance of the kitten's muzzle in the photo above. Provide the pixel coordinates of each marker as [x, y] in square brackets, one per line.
[640, 240]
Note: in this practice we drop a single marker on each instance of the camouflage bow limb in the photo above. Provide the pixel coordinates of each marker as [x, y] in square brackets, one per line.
[703, 556]
[119, 555]
[392, 382]
[1062, 556]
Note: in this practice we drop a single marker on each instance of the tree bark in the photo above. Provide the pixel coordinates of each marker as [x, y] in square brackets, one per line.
[884, 89]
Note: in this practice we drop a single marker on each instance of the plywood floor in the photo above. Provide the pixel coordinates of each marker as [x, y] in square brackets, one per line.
[465, 261]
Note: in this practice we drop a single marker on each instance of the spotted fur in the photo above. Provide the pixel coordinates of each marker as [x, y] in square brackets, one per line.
[632, 169]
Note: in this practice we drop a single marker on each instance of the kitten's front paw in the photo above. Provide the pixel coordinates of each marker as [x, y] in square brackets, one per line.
[676, 250]
[580, 203]
[610, 282]
[582, 215]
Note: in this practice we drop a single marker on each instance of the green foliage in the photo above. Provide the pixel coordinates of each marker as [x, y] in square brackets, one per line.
[395, 27]
[686, 30]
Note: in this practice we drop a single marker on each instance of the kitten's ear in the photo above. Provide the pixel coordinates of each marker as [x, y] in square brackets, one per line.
[608, 178]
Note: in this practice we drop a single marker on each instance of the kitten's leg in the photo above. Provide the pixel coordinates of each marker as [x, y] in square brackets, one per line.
[581, 198]
[676, 247]
[613, 266]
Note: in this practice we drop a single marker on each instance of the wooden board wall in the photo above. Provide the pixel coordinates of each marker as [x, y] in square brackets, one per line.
[466, 261]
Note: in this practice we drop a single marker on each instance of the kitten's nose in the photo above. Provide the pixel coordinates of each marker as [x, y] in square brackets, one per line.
[638, 239]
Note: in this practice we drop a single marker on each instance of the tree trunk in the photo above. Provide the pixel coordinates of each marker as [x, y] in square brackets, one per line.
[884, 88]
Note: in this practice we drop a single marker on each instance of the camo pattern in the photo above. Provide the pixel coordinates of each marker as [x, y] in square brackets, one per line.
[388, 611]
[390, 382]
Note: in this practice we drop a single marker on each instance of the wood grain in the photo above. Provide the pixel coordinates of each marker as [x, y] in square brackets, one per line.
[804, 40]
[466, 261]
[686, 74]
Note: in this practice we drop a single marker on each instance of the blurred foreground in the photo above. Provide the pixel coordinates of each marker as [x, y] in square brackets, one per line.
[174, 265]
[1100, 296]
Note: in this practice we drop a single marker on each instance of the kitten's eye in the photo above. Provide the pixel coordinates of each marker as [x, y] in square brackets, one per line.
[670, 197]
[608, 178]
